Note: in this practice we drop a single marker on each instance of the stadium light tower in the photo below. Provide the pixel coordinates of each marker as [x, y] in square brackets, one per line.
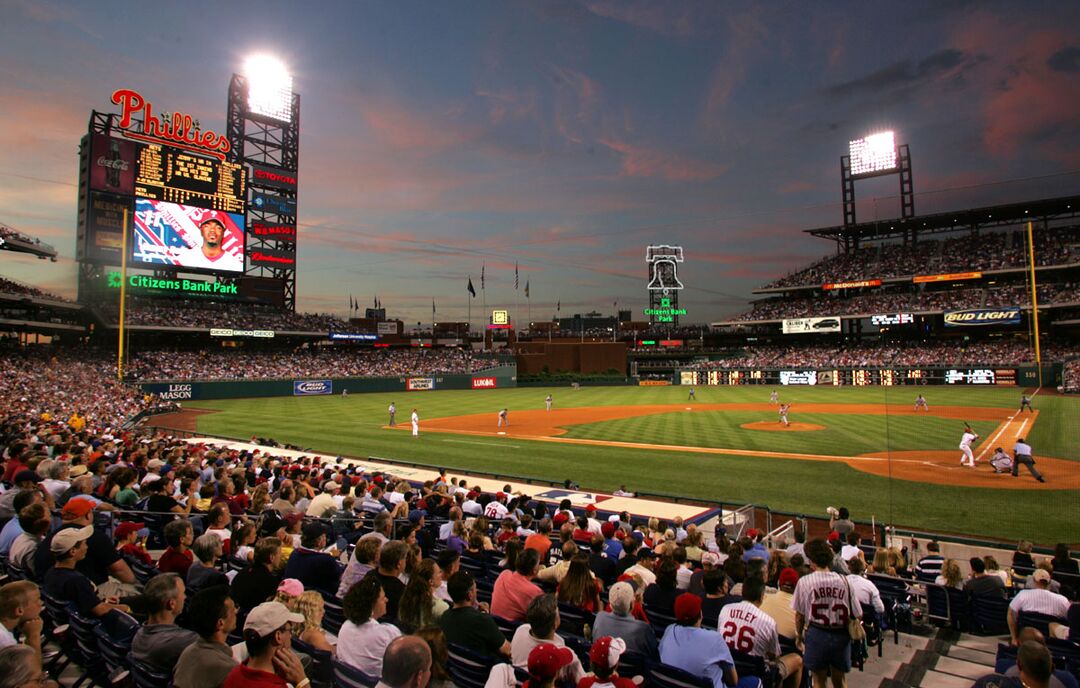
[876, 155]
[269, 87]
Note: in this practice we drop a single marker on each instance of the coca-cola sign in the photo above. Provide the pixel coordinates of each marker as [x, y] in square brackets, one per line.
[176, 129]
[112, 164]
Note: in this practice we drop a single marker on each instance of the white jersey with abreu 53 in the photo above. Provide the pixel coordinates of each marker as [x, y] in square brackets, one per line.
[748, 629]
[822, 598]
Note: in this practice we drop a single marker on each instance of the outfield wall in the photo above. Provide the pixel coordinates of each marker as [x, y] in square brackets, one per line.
[984, 375]
[491, 378]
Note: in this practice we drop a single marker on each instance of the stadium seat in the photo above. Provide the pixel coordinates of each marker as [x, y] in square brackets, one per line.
[937, 605]
[988, 615]
[145, 677]
[1038, 621]
[507, 626]
[750, 666]
[468, 669]
[875, 631]
[333, 614]
[659, 621]
[83, 649]
[574, 619]
[114, 635]
[321, 671]
[348, 676]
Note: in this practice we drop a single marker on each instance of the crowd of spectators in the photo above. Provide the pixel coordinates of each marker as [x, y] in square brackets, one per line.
[1071, 377]
[880, 354]
[239, 364]
[10, 286]
[907, 302]
[210, 314]
[991, 251]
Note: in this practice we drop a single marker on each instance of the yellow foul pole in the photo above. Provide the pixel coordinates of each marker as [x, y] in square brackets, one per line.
[123, 295]
[1034, 300]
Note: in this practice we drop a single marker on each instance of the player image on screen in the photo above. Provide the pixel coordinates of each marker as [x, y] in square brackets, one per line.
[187, 237]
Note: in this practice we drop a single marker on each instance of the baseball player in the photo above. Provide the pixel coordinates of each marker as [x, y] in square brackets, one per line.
[415, 423]
[392, 410]
[503, 420]
[774, 398]
[1022, 455]
[969, 436]
[1001, 461]
[1025, 402]
[783, 414]
[547, 403]
[691, 396]
[920, 403]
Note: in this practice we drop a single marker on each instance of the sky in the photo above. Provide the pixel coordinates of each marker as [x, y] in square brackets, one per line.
[565, 136]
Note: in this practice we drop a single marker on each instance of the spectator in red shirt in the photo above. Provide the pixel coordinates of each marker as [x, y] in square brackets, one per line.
[515, 589]
[540, 541]
[271, 662]
[178, 556]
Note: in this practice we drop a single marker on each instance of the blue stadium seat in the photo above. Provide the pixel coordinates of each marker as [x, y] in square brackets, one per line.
[321, 671]
[989, 615]
[468, 669]
[145, 677]
[114, 635]
[347, 676]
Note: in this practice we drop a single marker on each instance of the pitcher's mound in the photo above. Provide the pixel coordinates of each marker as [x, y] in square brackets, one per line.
[773, 426]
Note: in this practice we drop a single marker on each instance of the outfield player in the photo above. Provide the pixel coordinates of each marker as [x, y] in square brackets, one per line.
[920, 403]
[749, 630]
[415, 418]
[691, 395]
[783, 414]
[392, 410]
[774, 398]
[969, 436]
[547, 403]
[1025, 402]
[503, 420]
[823, 605]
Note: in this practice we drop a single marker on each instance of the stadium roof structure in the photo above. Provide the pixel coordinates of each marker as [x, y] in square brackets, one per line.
[971, 219]
[12, 239]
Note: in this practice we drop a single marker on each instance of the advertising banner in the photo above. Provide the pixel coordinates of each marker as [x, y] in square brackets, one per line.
[804, 325]
[105, 225]
[484, 383]
[112, 165]
[272, 177]
[798, 377]
[982, 316]
[305, 388]
[892, 319]
[174, 392]
[654, 383]
[273, 204]
[227, 332]
[387, 327]
[184, 236]
[353, 337]
[272, 258]
[278, 231]
[949, 277]
[851, 285]
[688, 377]
[417, 384]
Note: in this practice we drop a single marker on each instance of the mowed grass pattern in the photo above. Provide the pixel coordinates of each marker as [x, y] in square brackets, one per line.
[354, 426]
[843, 435]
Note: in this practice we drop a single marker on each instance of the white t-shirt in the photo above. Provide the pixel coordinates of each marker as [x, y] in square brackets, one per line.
[363, 646]
[7, 638]
[748, 629]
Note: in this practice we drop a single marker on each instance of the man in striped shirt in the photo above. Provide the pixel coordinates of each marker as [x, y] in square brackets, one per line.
[1039, 599]
[746, 628]
[822, 608]
[929, 567]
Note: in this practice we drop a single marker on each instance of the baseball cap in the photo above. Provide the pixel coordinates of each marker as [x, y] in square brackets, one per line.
[605, 652]
[788, 576]
[614, 518]
[330, 486]
[591, 508]
[687, 608]
[645, 553]
[272, 523]
[77, 508]
[154, 464]
[608, 529]
[313, 529]
[291, 586]
[546, 660]
[66, 538]
[500, 496]
[26, 476]
[127, 528]
[416, 514]
[834, 536]
[1041, 575]
[473, 494]
[621, 596]
[752, 533]
[710, 558]
[268, 617]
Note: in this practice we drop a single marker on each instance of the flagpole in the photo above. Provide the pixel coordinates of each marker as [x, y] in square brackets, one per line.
[483, 301]
[468, 302]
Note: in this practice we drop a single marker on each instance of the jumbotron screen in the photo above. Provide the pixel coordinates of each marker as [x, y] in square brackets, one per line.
[176, 176]
[187, 237]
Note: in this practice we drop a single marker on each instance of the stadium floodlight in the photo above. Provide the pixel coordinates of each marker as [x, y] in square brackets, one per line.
[269, 87]
[873, 154]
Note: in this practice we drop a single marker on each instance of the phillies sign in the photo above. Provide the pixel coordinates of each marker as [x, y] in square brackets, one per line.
[176, 129]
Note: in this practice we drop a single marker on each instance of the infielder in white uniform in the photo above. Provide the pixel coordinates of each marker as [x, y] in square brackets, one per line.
[920, 403]
[415, 423]
[774, 398]
[969, 436]
[547, 402]
[503, 420]
[783, 414]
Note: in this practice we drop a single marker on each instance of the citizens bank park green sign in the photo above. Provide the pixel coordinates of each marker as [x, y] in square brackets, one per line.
[146, 284]
[666, 312]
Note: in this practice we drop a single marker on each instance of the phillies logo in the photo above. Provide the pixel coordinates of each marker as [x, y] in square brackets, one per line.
[178, 129]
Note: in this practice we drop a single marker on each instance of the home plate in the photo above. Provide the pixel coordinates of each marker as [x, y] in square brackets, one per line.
[501, 432]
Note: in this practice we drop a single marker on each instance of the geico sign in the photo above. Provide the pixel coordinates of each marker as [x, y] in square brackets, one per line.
[483, 382]
[997, 316]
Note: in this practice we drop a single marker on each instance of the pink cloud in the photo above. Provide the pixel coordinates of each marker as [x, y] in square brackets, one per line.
[648, 162]
[796, 187]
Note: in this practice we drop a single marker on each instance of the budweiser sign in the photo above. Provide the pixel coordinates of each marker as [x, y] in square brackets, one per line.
[178, 129]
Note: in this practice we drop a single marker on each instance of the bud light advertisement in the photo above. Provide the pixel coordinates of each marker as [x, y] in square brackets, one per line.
[307, 388]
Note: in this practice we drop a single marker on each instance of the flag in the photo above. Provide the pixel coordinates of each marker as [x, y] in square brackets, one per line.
[515, 276]
[351, 303]
[471, 289]
[482, 266]
[526, 288]
[433, 309]
[558, 306]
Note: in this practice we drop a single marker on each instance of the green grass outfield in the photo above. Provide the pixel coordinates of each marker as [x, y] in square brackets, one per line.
[353, 426]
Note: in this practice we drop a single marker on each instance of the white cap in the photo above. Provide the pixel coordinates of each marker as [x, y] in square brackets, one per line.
[65, 539]
[269, 617]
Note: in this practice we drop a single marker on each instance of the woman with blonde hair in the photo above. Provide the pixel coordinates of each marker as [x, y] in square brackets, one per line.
[992, 569]
[260, 498]
[950, 575]
[310, 604]
[418, 606]
[896, 561]
[881, 563]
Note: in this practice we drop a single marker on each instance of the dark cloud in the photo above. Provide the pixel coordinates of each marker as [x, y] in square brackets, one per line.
[901, 74]
[1065, 60]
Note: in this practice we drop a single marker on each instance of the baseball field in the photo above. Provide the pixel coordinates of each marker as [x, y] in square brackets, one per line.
[864, 448]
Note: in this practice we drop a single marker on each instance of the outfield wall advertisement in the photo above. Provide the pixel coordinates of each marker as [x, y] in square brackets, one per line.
[865, 377]
[977, 317]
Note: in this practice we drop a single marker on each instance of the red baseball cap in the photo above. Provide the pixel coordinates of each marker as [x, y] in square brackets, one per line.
[127, 528]
[752, 533]
[77, 508]
[605, 652]
[833, 536]
[591, 508]
[789, 576]
[608, 529]
[687, 608]
[545, 661]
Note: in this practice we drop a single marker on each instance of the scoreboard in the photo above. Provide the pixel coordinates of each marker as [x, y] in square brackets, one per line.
[175, 176]
[856, 377]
